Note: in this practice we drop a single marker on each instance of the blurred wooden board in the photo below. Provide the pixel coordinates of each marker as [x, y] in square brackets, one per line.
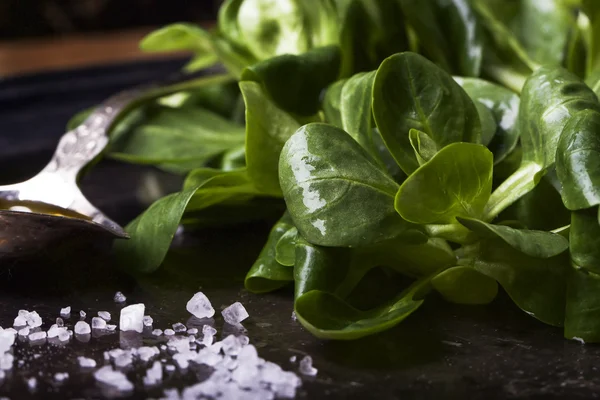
[36, 55]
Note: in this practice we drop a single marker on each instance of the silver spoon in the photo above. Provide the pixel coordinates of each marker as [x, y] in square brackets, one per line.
[49, 208]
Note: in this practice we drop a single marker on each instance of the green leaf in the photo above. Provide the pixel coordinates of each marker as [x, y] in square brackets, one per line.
[332, 103]
[504, 58]
[218, 187]
[411, 92]
[178, 138]
[267, 129]
[540, 29]
[550, 97]
[539, 244]
[152, 232]
[335, 192]
[327, 316]
[582, 314]
[178, 36]
[536, 285]
[415, 260]
[266, 273]
[295, 83]
[234, 58]
[234, 159]
[423, 146]
[286, 247]
[488, 123]
[578, 47]
[543, 29]
[504, 105]
[584, 240]
[370, 31]
[456, 182]
[591, 9]
[270, 28]
[464, 285]
[319, 268]
[449, 32]
[355, 110]
[578, 161]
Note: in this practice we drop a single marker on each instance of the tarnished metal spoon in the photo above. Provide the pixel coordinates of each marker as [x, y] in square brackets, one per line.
[49, 208]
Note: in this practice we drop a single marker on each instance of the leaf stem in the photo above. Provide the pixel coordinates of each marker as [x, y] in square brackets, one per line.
[455, 233]
[521, 182]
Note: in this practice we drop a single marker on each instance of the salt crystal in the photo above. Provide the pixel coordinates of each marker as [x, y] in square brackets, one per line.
[208, 357]
[60, 322]
[32, 383]
[179, 345]
[148, 321]
[85, 362]
[248, 355]
[35, 336]
[200, 306]
[6, 361]
[105, 315]
[111, 327]
[169, 368]
[208, 330]
[169, 332]
[182, 360]
[55, 331]
[179, 327]
[82, 328]
[34, 320]
[154, 374]
[98, 323]
[23, 313]
[207, 389]
[208, 333]
[230, 363]
[114, 353]
[284, 391]
[216, 347]
[20, 321]
[246, 375]
[64, 335]
[113, 378]
[293, 359]
[12, 331]
[243, 339]
[65, 312]
[123, 360]
[157, 332]
[192, 331]
[306, 367]
[294, 317]
[61, 376]
[119, 298]
[24, 331]
[132, 318]
[145, 353]
[235, 313]
[82, 314]
[231, 345]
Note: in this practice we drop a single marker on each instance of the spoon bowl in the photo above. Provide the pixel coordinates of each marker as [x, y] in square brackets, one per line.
[49, 208]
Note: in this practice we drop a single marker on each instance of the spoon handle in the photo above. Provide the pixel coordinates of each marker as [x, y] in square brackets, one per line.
[80, 146]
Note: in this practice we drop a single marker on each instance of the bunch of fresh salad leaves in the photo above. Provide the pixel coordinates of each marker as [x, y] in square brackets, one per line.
[416, 146]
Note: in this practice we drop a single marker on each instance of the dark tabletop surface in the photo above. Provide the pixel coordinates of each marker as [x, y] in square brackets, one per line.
[442, 352]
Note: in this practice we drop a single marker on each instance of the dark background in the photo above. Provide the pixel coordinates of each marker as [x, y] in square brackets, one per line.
[53, 18]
